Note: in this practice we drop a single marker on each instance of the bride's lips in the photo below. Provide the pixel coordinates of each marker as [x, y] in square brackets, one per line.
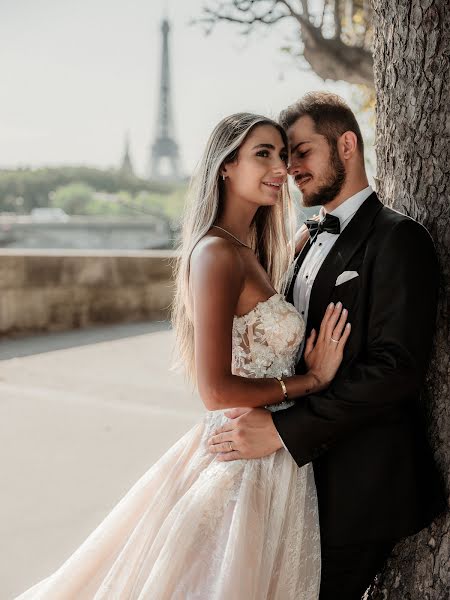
[274, 184]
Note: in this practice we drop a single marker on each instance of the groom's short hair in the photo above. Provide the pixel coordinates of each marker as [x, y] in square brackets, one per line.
[330, 113]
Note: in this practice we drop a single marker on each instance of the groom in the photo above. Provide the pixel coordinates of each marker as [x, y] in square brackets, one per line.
[375, 477]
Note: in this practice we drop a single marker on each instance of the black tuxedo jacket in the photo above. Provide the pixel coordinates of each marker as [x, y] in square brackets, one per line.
[365, 434]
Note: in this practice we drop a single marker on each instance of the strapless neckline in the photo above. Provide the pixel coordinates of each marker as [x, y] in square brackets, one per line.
[266, 339]
[258, 306]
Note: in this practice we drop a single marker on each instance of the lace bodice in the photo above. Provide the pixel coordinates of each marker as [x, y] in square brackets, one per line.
[266, 341]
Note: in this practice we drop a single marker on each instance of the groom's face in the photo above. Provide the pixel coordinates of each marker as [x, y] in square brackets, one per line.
[315, 165]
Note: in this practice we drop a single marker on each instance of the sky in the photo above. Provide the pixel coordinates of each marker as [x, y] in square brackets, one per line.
[77, 75]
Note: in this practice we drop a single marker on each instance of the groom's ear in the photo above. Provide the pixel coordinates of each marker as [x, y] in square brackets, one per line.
[348, 145]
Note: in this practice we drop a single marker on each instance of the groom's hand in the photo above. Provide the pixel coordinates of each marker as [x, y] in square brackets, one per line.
[251, 432]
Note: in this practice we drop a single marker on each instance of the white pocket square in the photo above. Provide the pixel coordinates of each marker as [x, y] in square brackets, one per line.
[346, 276]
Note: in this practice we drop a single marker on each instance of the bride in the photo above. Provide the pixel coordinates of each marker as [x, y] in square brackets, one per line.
[195, 527]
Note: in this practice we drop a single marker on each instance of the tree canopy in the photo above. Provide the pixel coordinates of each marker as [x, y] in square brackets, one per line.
[334, 36]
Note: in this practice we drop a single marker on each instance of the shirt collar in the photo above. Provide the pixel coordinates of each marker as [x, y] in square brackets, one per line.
[348, 208]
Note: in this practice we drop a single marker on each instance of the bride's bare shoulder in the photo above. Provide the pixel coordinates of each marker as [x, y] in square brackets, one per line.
[215, 252]
[214, 248]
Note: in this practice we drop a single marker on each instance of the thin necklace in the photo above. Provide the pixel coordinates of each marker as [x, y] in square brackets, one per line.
[233, 236]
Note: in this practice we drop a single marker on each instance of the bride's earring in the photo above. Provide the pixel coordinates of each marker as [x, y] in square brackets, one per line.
[223, 177]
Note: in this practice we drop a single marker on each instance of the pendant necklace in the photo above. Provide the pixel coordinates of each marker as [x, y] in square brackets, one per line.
[233, 236]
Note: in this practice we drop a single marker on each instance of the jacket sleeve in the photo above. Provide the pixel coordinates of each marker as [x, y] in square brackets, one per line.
[390, 369]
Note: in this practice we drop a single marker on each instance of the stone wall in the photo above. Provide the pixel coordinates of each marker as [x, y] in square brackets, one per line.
[45, 290]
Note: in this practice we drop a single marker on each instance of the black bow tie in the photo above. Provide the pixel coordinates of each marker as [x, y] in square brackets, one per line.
[330, 224]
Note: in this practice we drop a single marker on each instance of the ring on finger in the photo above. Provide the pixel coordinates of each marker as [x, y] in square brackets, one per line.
[231, 447]
[333, 340]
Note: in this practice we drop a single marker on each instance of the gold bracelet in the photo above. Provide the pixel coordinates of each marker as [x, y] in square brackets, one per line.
[283, 387]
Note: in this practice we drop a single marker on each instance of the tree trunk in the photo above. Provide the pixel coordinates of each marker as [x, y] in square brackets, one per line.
[411, 66]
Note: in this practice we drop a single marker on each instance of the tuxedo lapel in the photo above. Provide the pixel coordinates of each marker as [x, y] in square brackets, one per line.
[345, 247]
[297, 264]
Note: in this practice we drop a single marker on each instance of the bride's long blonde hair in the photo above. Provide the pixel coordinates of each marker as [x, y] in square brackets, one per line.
[272, 231]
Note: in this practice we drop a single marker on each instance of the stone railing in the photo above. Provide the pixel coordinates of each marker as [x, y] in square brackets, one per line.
[50, 290]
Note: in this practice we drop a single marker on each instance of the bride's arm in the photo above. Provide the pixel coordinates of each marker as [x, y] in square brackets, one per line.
[217, 277]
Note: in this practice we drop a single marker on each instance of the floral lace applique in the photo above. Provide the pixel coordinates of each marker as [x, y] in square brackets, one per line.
[266, 341]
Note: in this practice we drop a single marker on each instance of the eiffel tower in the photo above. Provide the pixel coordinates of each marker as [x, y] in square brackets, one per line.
[164, 147]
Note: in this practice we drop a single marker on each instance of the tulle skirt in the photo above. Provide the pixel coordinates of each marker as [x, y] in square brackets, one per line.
[194, 528]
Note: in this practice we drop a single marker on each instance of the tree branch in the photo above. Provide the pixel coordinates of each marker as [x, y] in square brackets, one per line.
[337, 19]
[246, 8]
[368, 16]
[305, 9]
[266, 19]
[325, 4]
[300, 18]
[329, 58]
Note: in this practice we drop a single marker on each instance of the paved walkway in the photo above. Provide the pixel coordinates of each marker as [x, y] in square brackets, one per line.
[82, 416]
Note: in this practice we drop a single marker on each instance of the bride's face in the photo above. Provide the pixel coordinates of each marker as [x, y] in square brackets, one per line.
[260, 168]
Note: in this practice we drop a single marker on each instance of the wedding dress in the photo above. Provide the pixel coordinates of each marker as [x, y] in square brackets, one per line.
[194, 528]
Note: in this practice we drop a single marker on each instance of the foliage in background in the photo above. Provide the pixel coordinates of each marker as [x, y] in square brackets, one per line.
[24, 189]
[73, 198]
[80, 199]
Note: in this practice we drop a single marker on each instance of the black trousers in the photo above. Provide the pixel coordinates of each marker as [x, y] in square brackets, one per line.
[347, 571]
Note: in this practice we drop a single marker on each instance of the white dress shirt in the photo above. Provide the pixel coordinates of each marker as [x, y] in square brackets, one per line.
[319, 251]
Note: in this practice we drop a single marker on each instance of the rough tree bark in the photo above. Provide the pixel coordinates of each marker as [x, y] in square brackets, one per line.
[411, 65]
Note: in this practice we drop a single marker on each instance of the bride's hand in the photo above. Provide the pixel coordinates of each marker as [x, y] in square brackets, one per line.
[301, 237]
[324, 356]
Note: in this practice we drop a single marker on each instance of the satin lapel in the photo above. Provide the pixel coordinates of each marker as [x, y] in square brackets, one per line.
[340, 254]
[298, 263]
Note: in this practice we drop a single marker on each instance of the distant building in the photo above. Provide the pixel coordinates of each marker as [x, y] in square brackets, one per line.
[126, 167]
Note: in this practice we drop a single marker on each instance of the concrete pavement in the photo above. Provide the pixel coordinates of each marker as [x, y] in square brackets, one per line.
[82, 416]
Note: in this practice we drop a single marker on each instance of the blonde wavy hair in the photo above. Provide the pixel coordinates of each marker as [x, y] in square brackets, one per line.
[272, 232]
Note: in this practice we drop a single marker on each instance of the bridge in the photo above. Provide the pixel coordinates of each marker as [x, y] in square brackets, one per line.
[148, 232]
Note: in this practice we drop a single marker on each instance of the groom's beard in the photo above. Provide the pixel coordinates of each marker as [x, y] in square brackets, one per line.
[334, 180]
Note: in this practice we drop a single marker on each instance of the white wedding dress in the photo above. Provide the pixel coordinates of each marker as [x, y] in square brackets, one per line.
[194, 528]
